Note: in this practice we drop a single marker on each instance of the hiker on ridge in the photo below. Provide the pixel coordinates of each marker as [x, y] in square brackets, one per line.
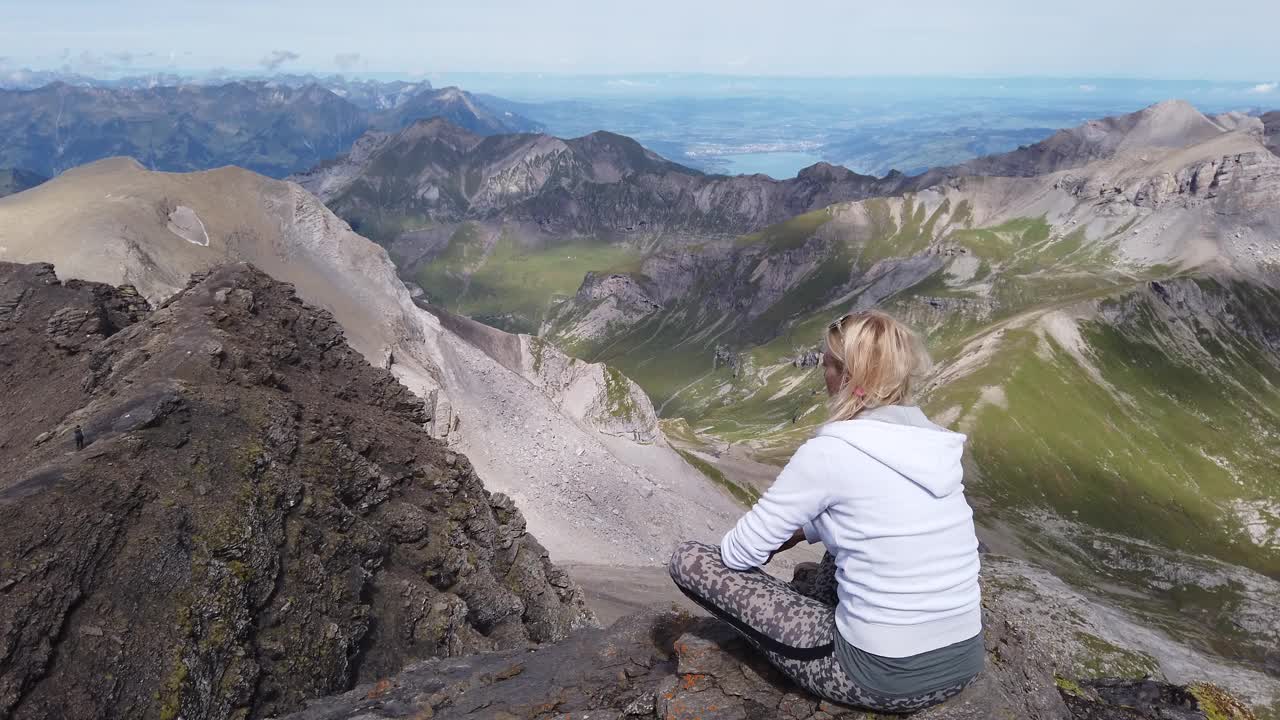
[892, 622]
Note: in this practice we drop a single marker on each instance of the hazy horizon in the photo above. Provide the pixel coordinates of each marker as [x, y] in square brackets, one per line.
[829, 39]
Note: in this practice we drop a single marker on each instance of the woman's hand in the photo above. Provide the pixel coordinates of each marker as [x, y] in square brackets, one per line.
[791, 542]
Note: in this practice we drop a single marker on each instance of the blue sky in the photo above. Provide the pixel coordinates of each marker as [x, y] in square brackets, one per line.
[1082, 38]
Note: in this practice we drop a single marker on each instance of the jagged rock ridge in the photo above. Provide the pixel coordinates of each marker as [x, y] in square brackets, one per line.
[258, 516]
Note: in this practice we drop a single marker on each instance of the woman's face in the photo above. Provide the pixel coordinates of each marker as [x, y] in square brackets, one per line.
[832, 372]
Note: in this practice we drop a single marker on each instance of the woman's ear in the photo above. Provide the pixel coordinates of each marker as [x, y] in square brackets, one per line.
[833, 372]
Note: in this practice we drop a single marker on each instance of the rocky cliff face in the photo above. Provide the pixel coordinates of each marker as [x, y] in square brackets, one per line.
[1271, 129]
[257, 517]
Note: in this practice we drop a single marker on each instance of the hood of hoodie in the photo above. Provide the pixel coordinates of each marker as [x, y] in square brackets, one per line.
[903, 439]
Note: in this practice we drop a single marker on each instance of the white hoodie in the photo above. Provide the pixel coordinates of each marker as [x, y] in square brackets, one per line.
[885, 494]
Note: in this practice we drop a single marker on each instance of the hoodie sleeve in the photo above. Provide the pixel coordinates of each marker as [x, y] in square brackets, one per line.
[798, 495]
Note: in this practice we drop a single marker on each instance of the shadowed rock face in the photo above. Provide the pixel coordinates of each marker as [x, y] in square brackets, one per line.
[257, 517]
[1271, 130]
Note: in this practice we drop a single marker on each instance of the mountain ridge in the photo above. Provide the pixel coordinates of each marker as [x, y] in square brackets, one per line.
[448, 205]
[1169, 124]
[524, 175]
[268, 127]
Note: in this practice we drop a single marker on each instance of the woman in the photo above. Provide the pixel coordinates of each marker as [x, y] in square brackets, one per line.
[894, 620]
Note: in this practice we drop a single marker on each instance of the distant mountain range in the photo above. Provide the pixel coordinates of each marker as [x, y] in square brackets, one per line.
[395, 186]
[413, 191]
[608, 183]
[270, 127]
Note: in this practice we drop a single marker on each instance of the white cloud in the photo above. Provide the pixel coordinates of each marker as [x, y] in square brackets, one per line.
[277, 58]
[1088, 88]
[1264, 88]
[623, 82]
[346, 61]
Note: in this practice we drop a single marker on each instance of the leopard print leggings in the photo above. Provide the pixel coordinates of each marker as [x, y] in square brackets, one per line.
[793, 625]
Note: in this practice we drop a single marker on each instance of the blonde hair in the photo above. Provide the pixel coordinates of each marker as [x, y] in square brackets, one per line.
[880, 361]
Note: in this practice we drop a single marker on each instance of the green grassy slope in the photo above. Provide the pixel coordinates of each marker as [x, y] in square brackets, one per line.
[510, 286]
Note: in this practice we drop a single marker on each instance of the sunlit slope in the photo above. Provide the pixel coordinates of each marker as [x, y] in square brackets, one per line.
[1154, 413]
[766, 300]
[499, 281]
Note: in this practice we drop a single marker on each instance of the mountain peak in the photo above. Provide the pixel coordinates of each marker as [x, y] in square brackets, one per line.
[457, 106]
[1171, 123]
[827, 172]
[437, 125]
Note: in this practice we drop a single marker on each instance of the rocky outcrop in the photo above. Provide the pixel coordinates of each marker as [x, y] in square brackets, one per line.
[257, 516]
[595, 394]
[807, 358]
[603, 301]
[676, 666]
[1237, 183]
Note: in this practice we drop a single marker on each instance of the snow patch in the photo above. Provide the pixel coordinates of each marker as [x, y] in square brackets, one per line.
[186, 224]
[1260, 519]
